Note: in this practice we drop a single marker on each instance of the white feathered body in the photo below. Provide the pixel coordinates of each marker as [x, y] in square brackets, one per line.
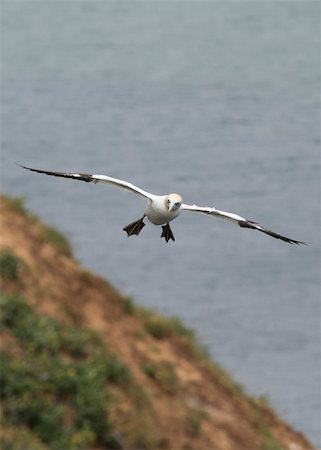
[157, 211]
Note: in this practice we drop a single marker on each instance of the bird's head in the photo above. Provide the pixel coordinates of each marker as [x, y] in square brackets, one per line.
[173, 202]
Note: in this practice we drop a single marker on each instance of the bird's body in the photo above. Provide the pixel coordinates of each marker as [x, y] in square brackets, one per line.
[157, 211]
[162, 209]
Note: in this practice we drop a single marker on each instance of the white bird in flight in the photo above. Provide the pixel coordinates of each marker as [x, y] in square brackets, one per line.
[162, 209]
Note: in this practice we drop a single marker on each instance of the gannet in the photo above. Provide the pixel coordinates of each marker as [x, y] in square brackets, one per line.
[162, 209]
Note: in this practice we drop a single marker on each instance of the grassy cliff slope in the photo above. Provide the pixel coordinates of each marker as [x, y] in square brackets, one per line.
[85, 368]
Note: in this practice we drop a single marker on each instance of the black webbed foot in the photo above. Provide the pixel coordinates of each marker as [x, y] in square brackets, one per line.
[134, 227]
[167, 233]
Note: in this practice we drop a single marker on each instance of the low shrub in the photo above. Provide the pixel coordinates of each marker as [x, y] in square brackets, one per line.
[51, 234]
[19, 438]
[161, 327]
[57, 239]
[63, 401]
[226, 380]
[128, 306]
[194, 422]
[9, 265]
[17, 204]
[164, 373]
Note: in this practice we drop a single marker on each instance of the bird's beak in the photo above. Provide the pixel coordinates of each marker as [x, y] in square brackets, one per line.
[170, 206]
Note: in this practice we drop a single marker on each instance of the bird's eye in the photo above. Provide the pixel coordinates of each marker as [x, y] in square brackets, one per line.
[177, 204]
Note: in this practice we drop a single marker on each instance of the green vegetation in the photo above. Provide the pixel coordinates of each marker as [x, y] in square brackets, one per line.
[17, 203]
[227, 381]
[51, 234]
[19, 438]
[9, 265]
[58, 389]
[269, 442]
[57, 239]
[194, 422]
[163, 372]
[161, 327]
[142, 429]
[128, 306]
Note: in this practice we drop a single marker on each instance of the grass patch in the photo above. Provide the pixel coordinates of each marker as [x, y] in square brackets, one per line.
[128, 306]
[51, 234]
[9, 265]
[59, 390]
[263, 400]
[226, 380]
[87, 277]
[19, 438]
[57, 239]
[269, 442]
[161, 327]
[141, 428]
[163, 372]
[194, 422]
[17, 204]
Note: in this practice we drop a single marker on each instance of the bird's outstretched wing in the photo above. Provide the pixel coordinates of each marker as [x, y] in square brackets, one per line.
[239, 220]
[95, 179]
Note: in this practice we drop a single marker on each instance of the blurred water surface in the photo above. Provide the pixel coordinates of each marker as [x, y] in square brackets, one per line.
[218, 101]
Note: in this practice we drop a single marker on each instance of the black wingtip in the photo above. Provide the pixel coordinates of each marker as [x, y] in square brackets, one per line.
[303, 243]
[256, 226]
[30, 168]
[24, 167]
